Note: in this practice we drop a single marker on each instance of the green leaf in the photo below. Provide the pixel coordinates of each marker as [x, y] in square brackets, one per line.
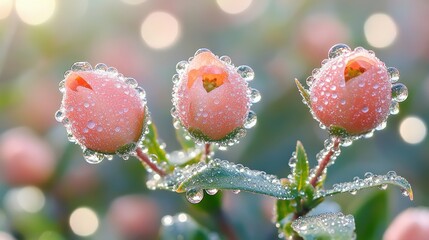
[304, 92]
[152, 144]
[218, 174]
[371, 217]
[332, 226]
[184, 226]
[184, 138]
[284, 212]
[301, 170]
[370, 180]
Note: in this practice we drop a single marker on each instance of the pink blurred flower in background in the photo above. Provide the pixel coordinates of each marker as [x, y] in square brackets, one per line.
[411, 224]
[25, 159]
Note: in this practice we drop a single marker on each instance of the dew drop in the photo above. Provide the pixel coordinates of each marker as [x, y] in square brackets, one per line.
[86, 104]
[194, 196]
[59, 116]
[211, 191]
[175, 78]
[181, 67]
[255, 96]
[99, 129]
[338, 50]
[381, 126]
[394, 108]
[131, 82]
[393, 74]
[85, 130]
[90, 124]
[112, 70]
[236, 191]
[309, 81]
[399, 92]
[101, 67]
[81, 66]
[250, 120]
[117, 129]
[369, 175]
[246, 72]
[142, 92]
[353, 192]
[92, 157]
[343, 102]
[62, 86]
[365, 109]
[405, 193]
[201, 50]
[383, 186]
[226, 59]
[292, 162]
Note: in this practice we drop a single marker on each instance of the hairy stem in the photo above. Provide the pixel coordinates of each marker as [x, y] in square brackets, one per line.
[323, 163]
[144, 158]
[207, 151]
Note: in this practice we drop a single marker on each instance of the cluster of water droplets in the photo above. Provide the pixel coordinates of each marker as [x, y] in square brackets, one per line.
[330, 224]
[219, 174]
[253, 95]
[369, 180]
[399, 91]
[91, 156]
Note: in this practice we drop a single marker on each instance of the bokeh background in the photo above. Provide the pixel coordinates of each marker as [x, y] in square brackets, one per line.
[48, 191]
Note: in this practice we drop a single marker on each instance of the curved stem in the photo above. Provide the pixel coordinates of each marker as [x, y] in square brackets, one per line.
[323, 163]
[144, 158]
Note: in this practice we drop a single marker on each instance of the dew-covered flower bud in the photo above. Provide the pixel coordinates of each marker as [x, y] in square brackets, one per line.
[412, 223]
[354, 91]
[25, 159]
[103, 111]
[212, 99]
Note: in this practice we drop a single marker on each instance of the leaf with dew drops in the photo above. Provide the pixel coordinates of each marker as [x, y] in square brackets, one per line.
[153, 146]
[333, 226]
[301, 170]
[303, 92]
[185, 226]
[218, 174]
[370, 180]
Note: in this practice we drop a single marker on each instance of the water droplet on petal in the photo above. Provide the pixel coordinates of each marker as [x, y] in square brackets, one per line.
[81, 66]
[250, 120]
[255, 96]
[201, 50]
[175, 78]
[101, 67]
[92, 157]
[381, 126]
[338, 50]
[211, 191]
[394, 108]
[59, 116]
[61, 86]
[246, 72]
[393, 74]
[292, 162]
[365, 109]
[194, 196]
[90, 124]
[131, 82]
[309, 81]
[181, 67]
[399, 92]
[226, 59]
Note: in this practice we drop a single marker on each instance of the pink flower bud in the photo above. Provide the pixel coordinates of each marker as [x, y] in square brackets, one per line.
[412, 223]
[103, 111]
[353, 90]
[212, 98]
[134, 217]
[25, 159]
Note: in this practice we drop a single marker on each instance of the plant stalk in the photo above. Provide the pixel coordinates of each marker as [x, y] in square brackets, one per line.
[144, 158]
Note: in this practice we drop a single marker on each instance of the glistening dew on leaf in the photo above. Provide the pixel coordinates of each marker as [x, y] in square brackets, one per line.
[212, 99]
[103, 111]
[354, 91]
